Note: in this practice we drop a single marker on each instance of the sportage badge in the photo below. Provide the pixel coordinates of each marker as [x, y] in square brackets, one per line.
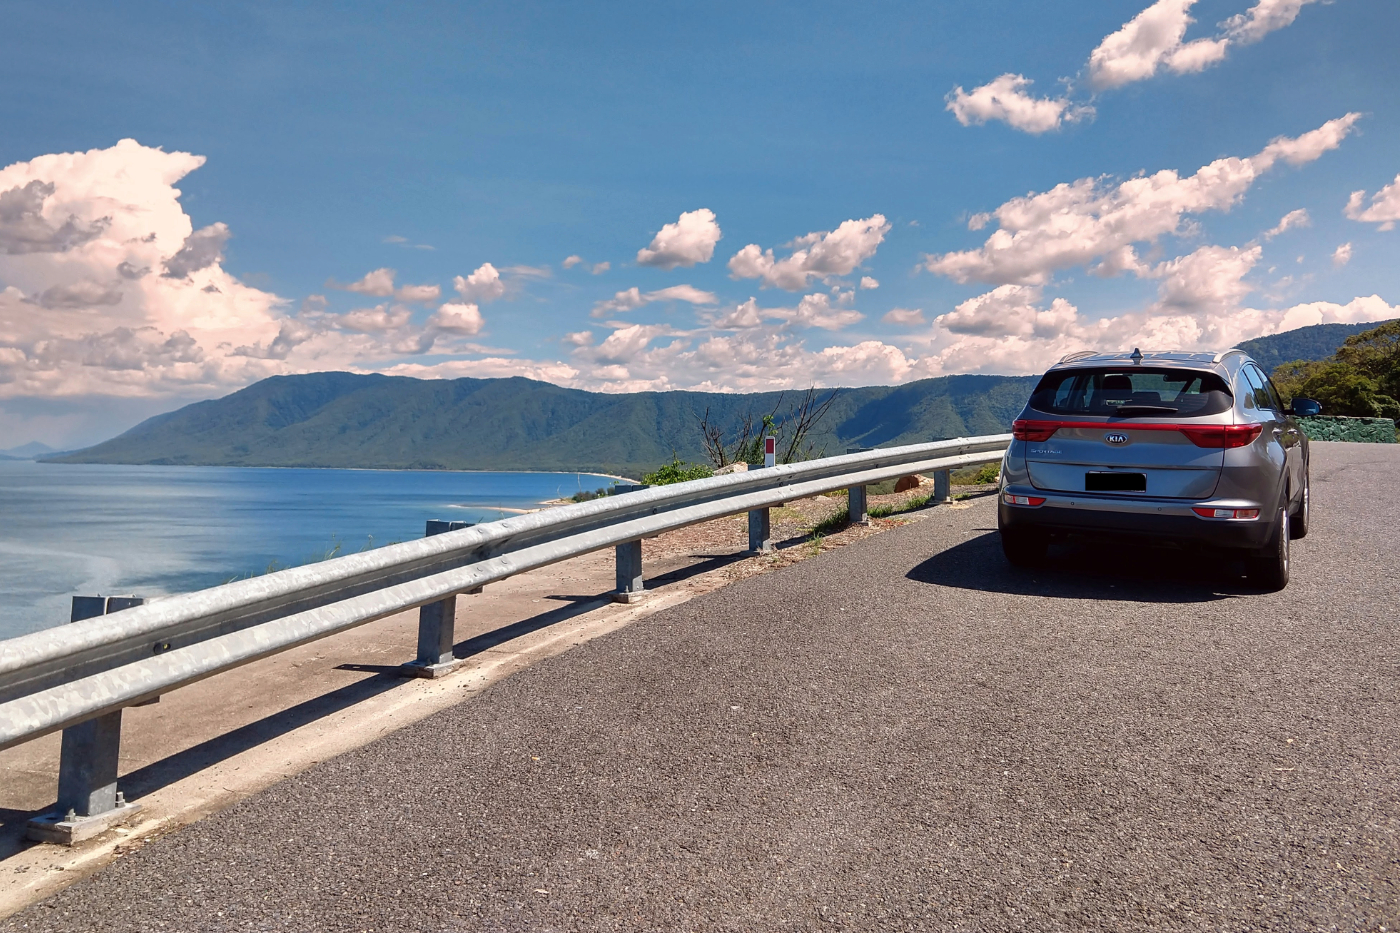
[1117, 440]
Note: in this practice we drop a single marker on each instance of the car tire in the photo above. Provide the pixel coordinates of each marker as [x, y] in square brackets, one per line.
[1268, 569]
[1298, 526]
[1023, 547]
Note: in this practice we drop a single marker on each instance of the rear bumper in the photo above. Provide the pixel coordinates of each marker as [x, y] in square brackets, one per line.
[1156, 519]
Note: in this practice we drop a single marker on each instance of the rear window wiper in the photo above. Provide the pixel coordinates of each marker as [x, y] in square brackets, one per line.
[1145, 410]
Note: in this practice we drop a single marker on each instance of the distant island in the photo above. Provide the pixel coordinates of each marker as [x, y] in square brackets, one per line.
[350, 420]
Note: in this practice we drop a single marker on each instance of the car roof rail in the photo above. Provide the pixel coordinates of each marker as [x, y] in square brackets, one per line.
[1078, 355]
[1219, 357]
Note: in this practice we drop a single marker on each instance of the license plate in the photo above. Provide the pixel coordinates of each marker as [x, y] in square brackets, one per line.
[1115, 482]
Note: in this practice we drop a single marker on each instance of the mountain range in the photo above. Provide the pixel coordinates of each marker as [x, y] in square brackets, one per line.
[336, 419]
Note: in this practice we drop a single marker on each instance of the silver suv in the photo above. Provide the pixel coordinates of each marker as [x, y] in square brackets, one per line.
[1180, 447]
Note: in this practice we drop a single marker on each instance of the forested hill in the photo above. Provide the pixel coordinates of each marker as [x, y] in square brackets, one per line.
[372, 421]
[1306, 343]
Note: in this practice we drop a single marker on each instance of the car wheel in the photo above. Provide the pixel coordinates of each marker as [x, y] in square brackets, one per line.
[1298, 527]
[1023, 547]
[1269, 568]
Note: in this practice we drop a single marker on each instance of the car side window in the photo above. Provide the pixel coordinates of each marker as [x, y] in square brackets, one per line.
[1257, 381]
[1246, 392]
[1274, 397]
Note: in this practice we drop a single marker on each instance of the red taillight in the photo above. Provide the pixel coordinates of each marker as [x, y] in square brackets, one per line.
[1232, 514]
[1227, 436]
[1012, 499]
[1026, 430]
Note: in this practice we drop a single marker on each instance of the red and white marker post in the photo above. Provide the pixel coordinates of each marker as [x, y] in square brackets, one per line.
[770, 451]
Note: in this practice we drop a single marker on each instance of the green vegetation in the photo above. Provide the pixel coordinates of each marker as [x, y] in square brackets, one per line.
[908, 505]
[984, 475]
[1317, 342]
[831, 524]
[395, 422]
[677, 471]
[1361, 379]
[584, 495]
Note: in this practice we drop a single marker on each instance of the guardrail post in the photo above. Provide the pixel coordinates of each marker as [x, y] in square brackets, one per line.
[88, 800]
[437, 624]
[942, 486]
[761, 520]
[629, 572]
[858, 497]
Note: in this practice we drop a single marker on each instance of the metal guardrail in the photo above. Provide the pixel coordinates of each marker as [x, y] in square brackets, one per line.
[75, 674]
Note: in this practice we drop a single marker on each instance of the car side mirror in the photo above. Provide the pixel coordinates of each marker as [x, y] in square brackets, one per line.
[1305, 407]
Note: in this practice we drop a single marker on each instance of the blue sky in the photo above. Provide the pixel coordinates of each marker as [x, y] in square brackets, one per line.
[340, 140]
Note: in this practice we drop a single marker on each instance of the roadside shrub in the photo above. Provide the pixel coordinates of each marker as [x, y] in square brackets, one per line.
[583, 495]
[677, 471]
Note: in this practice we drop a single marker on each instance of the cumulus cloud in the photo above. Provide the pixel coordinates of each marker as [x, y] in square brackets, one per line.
[457, 317]
[571, 261]
[820, 255]
[1078, 223]
[1290, 221]
[1007, 311]
[376, 284]
[380, 284]
[84, 294]
[1341, 255]
[1262, 18]
[600, 267]
[1155, 38]
[633, 298]
[483, 285]
[1384, 208]
[688, 241]
[816, 311]
[201, 249]
[1006, 99]
[907, 317]
[866, 282]
[1209, 279]
[25, 227]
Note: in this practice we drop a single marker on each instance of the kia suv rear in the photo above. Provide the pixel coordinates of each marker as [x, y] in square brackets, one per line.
[1180, 447]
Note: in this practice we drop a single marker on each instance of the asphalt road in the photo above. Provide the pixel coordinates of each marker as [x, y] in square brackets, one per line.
[900, 734]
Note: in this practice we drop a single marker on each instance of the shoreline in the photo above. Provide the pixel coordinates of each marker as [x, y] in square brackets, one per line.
[254, 466]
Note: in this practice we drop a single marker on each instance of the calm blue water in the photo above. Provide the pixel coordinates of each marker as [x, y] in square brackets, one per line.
[90, 529]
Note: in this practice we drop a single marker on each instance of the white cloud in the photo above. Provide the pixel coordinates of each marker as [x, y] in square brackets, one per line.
[816, 311]
[582, 338]
[482, 285]
[868, 283]
[1341, 255]
[1150, 40]
[1075, 224]
[1209, 279]
[376, 284]
[742, 317]
[82, 235]
[419, 294]
[907, 317]
[1290, 221]
[1007, 311]
[1005, 99]
[821, 255]
[600, 268]
[1384, 208]
[1263, 18]
[571, 261]
[201, 249]
[688, 241]
[455, 317]
[528, 272]
[377, 320]
[633, 298]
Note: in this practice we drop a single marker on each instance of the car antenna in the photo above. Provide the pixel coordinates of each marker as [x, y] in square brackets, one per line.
[1137, 355]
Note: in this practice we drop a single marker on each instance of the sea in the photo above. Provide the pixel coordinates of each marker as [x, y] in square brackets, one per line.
[97, 529]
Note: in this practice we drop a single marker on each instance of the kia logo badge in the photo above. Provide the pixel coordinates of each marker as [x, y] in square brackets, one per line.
[1117, 440]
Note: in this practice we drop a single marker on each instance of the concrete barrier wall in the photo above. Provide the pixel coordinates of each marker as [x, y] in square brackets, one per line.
[1341, 428]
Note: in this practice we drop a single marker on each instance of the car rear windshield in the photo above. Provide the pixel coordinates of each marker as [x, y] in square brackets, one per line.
[1131, 392]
